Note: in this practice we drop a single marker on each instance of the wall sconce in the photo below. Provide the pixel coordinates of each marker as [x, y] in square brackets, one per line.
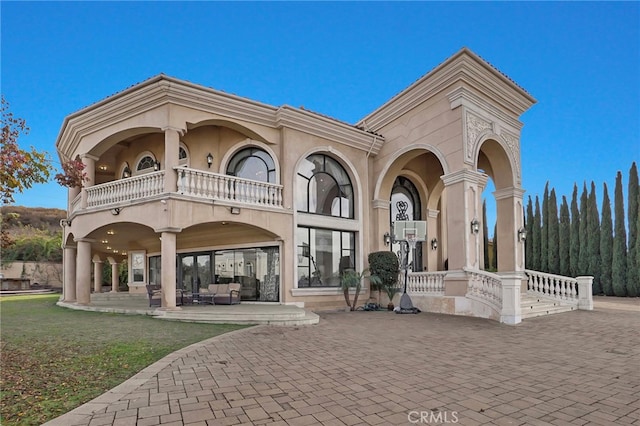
[475, 226]
[116, 211]
[156, 166]
[235, 210]
[126, 173]
[387, 238]
[209, 160]
[65, 222]
[522, 234]
[434, 244]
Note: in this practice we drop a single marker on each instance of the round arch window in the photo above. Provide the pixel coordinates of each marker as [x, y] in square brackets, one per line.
[324, 187]
[254, 164]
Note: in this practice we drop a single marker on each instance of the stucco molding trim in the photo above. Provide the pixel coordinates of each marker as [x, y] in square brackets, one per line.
[171, 229]
[380, 204]
[475, 126]
[506, 193]
[464, 175]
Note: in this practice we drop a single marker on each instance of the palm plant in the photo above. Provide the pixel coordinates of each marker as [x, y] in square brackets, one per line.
[351, 278]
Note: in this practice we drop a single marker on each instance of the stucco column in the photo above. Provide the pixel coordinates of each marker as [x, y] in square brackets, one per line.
[511, 309]
[83, 272]
[510, 219]
[171, 151]
[69, 278]
[380, 217]
[464, 193]
[72, 194]
[89, 162]
[432, 232]
[168, 254]
[97, 274]
[115, 282]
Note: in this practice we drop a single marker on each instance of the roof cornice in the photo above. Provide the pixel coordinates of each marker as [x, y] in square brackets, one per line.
[463, 68]
[161, 90]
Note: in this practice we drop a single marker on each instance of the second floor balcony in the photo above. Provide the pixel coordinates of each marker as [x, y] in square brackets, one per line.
[190, 182]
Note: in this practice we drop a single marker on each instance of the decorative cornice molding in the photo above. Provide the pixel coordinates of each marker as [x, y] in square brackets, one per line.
[380, 204]
[511, 192]
[513, 144]
[163, 91]
[464, 67]
[474, 127]
[464, 175]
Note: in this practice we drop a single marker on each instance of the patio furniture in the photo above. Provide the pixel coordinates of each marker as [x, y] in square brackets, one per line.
[155, 296]
[225, 294]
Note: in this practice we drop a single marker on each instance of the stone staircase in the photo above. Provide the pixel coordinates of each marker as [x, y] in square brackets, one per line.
[535, 306]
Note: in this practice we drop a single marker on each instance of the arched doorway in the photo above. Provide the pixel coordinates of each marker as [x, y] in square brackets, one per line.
[406, 205]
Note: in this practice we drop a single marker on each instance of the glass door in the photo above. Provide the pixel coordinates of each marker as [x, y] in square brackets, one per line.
[195, 272]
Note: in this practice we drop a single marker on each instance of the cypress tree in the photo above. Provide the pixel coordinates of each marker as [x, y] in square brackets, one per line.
[593, 242]
[619, 265]
[553, 234]
[495, 247]
[606, 244]
[536, 235]
[574, 249]
[583, 258]
[544, 231]
[528, 245]
[485, 237]
[565, 238]
[633, 263]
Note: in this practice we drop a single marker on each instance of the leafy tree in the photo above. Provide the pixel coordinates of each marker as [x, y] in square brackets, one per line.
[384, 269]
[529, 241]
[606, 244]
[19, 169]
[544, 231]
[574, 249]
[583, 258]
[553, 234]
[619, 266]
[536, 236]
[73, 174]
[633, 262]
[593, 242]
[485, 237]
[565, 238]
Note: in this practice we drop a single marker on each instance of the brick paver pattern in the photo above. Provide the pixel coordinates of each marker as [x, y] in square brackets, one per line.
[380, 368]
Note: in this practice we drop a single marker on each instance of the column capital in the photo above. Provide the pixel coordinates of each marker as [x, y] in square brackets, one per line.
[380, 204]
[433, 213]
[112, 261]
[464, 175]
[512, 192]
[85, 240]
[89, 156]
[96, 259]
[179, 130]
[170, 229]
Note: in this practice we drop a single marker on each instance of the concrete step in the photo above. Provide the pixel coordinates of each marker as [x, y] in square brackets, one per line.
[298, 317]
[534, 306]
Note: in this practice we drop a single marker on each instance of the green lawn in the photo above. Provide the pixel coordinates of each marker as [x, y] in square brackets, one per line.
[54, 359]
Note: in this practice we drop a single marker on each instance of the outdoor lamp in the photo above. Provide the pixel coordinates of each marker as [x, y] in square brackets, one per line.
[475, 226]
[434, 244]
[126, 172]
[209, 160]
[387, 238]
[156, 166]
[522, 234]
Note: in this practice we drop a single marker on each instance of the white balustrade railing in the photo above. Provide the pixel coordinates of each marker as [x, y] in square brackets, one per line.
[557, 287]
[485, 287]
[425, 282]
[122, 190]
[216, 186]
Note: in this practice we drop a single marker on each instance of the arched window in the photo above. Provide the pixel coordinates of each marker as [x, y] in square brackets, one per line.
[254, 164]
[324, 187]
[146, 164]
[183, 157]
[405, 205]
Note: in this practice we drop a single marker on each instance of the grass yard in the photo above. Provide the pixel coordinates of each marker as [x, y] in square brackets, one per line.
[55, 359]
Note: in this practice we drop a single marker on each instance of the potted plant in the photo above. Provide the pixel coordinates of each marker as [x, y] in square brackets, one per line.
[385, 268]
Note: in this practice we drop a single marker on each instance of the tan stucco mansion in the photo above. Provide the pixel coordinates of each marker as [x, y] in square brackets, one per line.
[194, 186]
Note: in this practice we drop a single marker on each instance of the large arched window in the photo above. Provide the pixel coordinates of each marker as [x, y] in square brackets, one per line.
[146, 163]
[324, 187]
[254, 164]
[405, 205]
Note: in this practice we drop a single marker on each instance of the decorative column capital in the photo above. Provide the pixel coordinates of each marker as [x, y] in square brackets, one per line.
[179, 130]
[380, 204]
[511, 192]
[464, 175]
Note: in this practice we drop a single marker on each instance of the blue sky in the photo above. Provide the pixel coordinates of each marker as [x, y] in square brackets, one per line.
[581, 61]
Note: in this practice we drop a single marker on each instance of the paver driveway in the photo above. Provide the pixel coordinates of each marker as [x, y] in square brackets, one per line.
[370, 368]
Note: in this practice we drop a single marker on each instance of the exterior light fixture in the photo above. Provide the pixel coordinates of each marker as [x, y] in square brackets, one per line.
[115, 211]
[387, 238]
[235, 210]
[156, 166]
[111, 232]
[434, 244]
[475, 226]
[209, 160]
[126, 173]
[522, 234]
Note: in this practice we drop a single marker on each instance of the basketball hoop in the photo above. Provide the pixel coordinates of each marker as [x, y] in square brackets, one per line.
[411, 238]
